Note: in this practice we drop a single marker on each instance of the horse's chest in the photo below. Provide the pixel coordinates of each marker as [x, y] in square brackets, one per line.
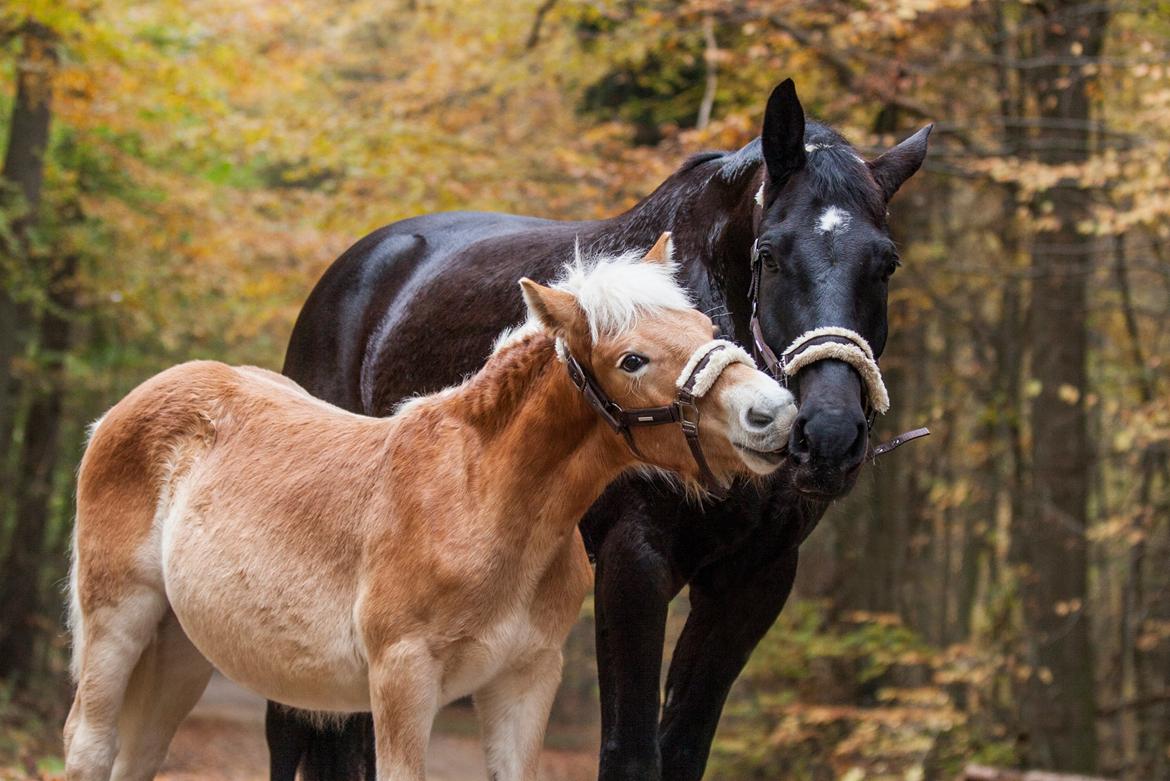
[502, 645]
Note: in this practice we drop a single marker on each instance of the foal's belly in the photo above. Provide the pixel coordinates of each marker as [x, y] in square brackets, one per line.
[265, 614]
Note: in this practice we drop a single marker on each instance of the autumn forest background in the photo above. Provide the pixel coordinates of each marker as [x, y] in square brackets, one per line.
[177, 175]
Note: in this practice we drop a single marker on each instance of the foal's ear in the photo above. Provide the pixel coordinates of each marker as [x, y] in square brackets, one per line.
[662, 251]
[897, 165]
[556, 310]
[783, 136]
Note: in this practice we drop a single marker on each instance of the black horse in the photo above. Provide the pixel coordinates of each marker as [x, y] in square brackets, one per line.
[366, 339]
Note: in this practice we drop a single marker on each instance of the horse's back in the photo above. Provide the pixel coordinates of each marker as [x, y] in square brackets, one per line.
[414, 306]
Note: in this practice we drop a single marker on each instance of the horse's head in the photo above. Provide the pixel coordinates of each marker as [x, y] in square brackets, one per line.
[649, 364]
[825, 259]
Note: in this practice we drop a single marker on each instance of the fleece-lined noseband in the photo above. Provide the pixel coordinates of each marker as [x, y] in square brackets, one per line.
[705, 366]
[823, 344]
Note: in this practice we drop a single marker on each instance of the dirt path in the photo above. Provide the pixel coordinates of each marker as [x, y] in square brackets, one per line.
[223, 740]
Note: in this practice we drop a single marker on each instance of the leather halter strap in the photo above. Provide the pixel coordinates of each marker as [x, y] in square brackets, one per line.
[684, 410]
[827, 343]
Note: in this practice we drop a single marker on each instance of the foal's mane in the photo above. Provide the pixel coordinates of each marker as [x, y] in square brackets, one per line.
[612, 290]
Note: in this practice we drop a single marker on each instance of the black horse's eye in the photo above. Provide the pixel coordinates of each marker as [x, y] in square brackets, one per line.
[631, 362]
[891, 266]
[767, 259]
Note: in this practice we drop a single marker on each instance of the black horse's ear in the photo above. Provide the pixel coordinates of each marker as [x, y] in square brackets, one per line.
[783, 136]
[893, 168]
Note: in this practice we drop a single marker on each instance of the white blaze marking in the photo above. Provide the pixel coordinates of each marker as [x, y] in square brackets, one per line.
[833, 220]
[760, 195]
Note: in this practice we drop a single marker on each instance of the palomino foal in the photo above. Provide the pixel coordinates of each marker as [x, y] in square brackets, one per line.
[336, 562]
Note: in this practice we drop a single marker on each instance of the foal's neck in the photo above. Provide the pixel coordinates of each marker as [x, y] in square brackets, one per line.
[545, 454]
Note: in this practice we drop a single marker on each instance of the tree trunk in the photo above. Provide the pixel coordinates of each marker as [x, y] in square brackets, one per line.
[20, 581]
[21, 578]
[31, 480]
[1057, 698]
[20, 180]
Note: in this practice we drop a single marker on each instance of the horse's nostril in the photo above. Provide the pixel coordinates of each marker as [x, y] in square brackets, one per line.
[829, 438]
[861, 444]
[757, 418]
[798, 446]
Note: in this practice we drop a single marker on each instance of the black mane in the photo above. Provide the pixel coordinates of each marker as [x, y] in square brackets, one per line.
[836, 173]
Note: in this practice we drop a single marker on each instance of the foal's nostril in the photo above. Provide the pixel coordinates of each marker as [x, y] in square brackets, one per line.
[757, 418]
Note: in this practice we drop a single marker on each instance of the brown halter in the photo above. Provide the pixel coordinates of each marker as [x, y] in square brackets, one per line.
[779, 366]
[684, 410]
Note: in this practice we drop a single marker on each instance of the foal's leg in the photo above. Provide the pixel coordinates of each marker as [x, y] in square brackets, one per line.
[166, 684]
[112, 639]
[405, 683]
[513, 714]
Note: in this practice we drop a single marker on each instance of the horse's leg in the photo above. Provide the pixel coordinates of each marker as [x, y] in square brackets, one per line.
[323, 752]
[632, 591]
[112, 639]
[288, 735]
[733, 603]
[167, 682]
[513, 714]
[405, 681]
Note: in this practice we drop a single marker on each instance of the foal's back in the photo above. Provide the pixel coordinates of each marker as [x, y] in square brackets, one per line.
[241, 419]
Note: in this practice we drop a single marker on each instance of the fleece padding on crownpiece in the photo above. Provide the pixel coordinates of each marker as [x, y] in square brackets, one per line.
[731, 353]
[857, 354]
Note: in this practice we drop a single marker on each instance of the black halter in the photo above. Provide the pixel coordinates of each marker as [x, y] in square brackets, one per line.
[777, 366]
[684, 410]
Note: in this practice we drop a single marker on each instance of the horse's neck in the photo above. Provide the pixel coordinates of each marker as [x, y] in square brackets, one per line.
[544, 456]
[710, 218]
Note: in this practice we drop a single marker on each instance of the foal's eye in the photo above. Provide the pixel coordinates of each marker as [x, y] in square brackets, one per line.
[631, 362]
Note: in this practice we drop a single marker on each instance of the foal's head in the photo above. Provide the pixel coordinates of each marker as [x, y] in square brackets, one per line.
[632, 328]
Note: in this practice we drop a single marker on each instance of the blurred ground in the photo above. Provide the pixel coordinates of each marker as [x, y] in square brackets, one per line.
[223, 740]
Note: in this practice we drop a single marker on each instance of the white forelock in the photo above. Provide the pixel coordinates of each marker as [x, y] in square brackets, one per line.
[612, 291]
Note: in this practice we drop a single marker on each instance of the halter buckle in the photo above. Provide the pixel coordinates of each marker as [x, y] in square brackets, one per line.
[688, 413]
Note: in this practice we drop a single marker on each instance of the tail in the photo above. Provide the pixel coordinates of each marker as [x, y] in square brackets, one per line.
[76, 619]
[74, 623]
[325, 749]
